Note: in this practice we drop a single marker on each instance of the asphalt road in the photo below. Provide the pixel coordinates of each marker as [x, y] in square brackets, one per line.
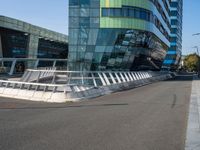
[153, 117]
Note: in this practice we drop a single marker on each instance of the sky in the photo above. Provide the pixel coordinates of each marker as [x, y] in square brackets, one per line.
[191, 25]
[53, 15]
[50, 14]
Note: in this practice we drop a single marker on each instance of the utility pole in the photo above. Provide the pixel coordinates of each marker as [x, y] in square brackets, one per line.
[197, 48]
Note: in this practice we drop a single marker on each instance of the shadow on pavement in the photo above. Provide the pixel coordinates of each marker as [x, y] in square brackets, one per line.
[13, 106]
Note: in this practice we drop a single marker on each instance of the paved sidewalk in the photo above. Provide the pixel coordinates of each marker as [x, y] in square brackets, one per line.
[193, 130]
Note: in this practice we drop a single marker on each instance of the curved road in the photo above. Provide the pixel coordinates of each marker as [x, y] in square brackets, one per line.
[153, 117]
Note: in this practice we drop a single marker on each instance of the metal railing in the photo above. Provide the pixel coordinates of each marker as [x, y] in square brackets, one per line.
[31, 63]
[52, 80]
[90, 78]
[32, 76]
[33, 86]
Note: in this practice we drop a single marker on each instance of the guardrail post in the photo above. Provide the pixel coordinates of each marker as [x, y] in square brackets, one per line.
[54, 77]
[112, 78]
[38, 77]
[54, 89]
[148, 76]
[21, 86]
[36, 64]
[29, 86]
[94, 81]
[123, 79]
[82, 78]
[145, 75]
[12, 67]
[14, 85]
[142, 75]
[106, 79]
[102, 80]
[54, 63]
[45, 88]
[69, 75]
[125, 74]
[130, 76]
[118, 78]
[37, 87]
[137, 76]
[27, 77]
[133, 75]
[7, 84]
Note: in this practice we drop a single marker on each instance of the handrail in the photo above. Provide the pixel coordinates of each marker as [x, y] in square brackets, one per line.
[31, 83]
[76, 83]
[60, 71]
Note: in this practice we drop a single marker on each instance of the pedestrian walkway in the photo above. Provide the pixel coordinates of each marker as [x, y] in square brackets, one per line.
[193, 130]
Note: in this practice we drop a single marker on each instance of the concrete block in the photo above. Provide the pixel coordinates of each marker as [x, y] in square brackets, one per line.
[47, 95]
[1, 90]
[59, 98]
[38, 94]
[9, 91]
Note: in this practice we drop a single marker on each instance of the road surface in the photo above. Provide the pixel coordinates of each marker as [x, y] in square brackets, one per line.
[153, 117]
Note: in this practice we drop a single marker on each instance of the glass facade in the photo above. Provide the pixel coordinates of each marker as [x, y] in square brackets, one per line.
[137, 13]
[118, 35]
[173, 57]
[51, 49]
[19, 39]
[14, 43]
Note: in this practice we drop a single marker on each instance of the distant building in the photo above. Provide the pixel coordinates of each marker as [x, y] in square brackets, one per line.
[182, 61]
[19, 39]
[173, 57]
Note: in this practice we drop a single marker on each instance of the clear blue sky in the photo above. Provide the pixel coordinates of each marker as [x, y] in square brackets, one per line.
[191, 25]
[52, 14]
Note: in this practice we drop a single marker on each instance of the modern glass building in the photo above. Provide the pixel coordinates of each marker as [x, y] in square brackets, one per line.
[173, 57]
[19, 39]
[118, 34]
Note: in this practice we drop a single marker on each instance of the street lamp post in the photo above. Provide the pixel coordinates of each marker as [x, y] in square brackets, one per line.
[195, 34]
[197, 48]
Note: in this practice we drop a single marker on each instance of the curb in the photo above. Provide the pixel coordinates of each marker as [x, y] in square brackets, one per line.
[193, 129]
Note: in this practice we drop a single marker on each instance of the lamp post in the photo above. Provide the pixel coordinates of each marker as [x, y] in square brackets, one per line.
[195, 34]
[197, 48]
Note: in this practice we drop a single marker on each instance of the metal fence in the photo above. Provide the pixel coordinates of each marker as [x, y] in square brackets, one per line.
[9, 65]
[50, 79]
[90, 78]
[49, 84]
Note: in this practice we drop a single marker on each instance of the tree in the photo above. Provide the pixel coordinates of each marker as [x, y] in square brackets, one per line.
[191, 62]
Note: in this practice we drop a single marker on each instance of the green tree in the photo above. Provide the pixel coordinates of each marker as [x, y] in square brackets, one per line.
[191, 62]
